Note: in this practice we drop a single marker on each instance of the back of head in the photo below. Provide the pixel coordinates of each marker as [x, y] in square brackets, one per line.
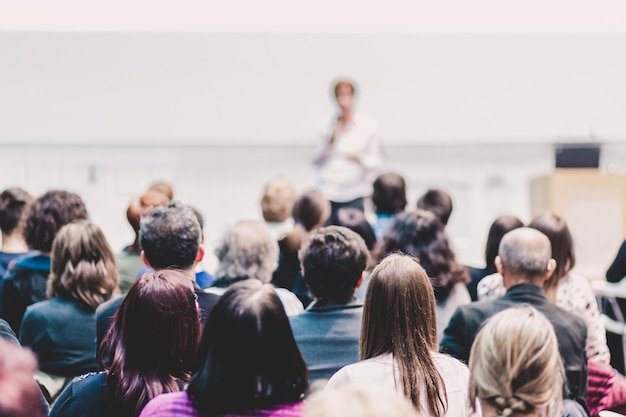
[83, 265]
[311, 209]
[501, 226]
[525, 254]
[354, 219]
[247, 250]
[358, 401]
[248, 349]
[14, 204]
[515, 365]
[20, 395]
[279, 195]
[389, 193]
[399, 318]
[48, 214]
[164, 188]
[561, 241]
[138, 206]
[333, 259]
[170, 237]
[153, 340]
[437, 201]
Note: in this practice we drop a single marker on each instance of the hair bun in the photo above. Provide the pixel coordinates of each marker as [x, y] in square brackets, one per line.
[505, 406]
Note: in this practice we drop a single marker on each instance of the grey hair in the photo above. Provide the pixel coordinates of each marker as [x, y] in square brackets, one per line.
[247, 250]
[525, 252]
[515, 365]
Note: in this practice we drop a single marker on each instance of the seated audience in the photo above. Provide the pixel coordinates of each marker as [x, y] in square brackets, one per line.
[250, 363]
[148, 350]
[516, 368]
[25, 281]
[358, 401]
[277, 202]
[389, 198]
[248, 251]
[615, 273]
[7, 333]
[333, 262]
[419, 233]
[354, 219]
[310, 211]
[525, 261]
[62, 329]
[501, 226]
[19, 393]
[398, 345]
[14, 205]
[437, 202]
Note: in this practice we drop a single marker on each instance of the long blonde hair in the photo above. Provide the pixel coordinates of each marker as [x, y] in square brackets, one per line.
[515, 365]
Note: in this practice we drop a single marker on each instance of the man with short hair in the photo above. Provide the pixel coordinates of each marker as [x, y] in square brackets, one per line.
[333, 259]
[438, 202]
[170, 239]
[524, 261]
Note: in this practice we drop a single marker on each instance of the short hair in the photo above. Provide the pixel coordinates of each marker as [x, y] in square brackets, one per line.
[248, 348]
[139, 205]
[333, 259]
[247, 250]
[164, 188]
[389, 193]
[358, 401]
[83, 267]
[48, 214]
[20, 396]
[344, 83]
[14, 204]
[170, 237]
[525, 252]
[438, 202]
[515, 365]
[279, 195]
[311, 209]
[152, 341]
[561, 242]
[354, 219]
[419, 233]
[501, 226]
[399, 319]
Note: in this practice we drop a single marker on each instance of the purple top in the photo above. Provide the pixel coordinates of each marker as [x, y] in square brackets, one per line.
[178, 404]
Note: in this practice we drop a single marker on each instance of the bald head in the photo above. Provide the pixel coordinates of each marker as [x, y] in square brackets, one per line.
[525, 255]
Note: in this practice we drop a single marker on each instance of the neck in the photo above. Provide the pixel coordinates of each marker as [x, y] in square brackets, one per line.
[346, 116]
[14, 243]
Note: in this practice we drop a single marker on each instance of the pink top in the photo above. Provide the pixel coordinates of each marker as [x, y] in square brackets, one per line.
[178, 404]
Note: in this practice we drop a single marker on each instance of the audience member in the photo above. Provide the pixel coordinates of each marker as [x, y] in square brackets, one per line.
[14, 205]
[277, 202]
[501, 226]
[62, 329]
[248, 251]
[389, 198]
[524, 261]
[26, 279]
[438, 202]
[615, 273]
[419, 233]
[354, 219]
[251, 365]
[348, 153]
[7, 333]
[149, 350]
[398, 345]
[310, 211]
[171, 239]
[516, 368]
[358, 401]
[19, 393]
[333, 261]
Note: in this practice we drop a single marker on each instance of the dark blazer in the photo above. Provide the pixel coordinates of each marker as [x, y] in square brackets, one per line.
[570, 330]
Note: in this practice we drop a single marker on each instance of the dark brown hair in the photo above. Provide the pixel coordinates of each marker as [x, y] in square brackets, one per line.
[500, 227]
[14, 204]
[152, 342]
[438, 202]
[83, 267]
[399, 318]
[389, 193]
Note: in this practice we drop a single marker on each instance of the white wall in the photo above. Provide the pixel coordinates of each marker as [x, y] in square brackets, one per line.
[273, 88]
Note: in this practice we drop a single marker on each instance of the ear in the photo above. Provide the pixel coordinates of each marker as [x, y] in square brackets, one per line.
[144, 259]
[360, 281]
[200, 254]
[498, 264]
[550, 269]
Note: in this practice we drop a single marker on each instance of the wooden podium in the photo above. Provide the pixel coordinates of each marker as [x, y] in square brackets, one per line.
[594, 206]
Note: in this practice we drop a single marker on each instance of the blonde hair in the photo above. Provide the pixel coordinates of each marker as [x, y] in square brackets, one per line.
[515, 365]
[278, 198]
[83, 267]
[358, 401]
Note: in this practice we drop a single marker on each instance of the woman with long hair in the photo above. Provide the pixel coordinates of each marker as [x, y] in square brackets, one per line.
[398, 345]
[250, 364]
[148, 350]
[421, 234]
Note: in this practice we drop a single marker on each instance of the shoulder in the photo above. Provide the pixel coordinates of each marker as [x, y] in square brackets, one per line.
[373, 370]
[85, 395]
[41, 308]
[108, 308]
[169, 404]
[450, 367]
